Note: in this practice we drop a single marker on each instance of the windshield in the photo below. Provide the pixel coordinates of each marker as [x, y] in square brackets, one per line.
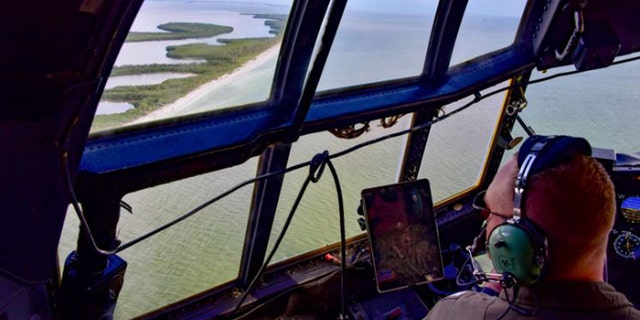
[169, 78]
[599, 105]
[185, 57]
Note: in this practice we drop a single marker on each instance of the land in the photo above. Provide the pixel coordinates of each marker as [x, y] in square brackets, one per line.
[178, 31]
[220, 60]
[185, 101]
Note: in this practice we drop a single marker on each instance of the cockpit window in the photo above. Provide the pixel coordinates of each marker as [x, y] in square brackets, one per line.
[458, 147]
[487, 25]
[227, 52]
[187, 258]
[379, 40]
[184, 57]
[454, 160]
[599, 105]
[316, 221]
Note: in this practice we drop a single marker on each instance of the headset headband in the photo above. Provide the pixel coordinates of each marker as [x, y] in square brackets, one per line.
[540, 153]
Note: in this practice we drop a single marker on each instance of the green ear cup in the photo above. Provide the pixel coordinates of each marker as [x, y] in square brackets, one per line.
[512, 250]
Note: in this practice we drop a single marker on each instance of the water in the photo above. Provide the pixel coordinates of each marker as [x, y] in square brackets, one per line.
[107, 107]
[159, 12]
[203, 251]
[143, 79]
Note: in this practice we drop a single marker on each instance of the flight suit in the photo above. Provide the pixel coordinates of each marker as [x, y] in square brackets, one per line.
[548, 300]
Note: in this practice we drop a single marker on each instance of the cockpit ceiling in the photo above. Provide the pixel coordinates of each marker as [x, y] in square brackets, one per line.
[57, 49]
[606, 29]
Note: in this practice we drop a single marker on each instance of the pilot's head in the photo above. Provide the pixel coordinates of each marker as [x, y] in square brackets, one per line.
[573, 203]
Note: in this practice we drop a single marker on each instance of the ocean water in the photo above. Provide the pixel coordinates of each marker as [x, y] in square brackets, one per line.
[204, 251]
[143, 79]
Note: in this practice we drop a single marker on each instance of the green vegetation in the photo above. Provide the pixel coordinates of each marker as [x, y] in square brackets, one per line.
[155, 68]
[179, 30]
[220, 60]
[275, 21]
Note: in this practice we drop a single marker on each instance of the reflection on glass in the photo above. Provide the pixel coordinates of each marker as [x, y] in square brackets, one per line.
[184, 57]
[190, 257]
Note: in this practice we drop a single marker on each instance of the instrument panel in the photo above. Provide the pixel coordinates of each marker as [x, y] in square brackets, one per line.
[626, 244]
[630, 209]
[625, 236]
[623, 253]
[624, 240]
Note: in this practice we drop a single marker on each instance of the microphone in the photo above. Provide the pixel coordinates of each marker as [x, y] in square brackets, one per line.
[506, 279]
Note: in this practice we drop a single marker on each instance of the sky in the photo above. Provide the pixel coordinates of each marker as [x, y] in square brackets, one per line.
[483, 7]
[511, 8]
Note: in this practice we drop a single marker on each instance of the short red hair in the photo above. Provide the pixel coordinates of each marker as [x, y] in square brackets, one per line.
[574, 204]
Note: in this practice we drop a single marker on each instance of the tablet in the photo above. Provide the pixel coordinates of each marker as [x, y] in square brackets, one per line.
[403, 234]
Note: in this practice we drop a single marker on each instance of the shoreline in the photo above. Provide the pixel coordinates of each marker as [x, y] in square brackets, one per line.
[184, 102]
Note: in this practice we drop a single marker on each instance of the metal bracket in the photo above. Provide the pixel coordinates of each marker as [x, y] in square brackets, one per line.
[572, 43]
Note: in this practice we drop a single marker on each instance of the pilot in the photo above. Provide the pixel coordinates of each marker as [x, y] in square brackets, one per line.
[570, 201]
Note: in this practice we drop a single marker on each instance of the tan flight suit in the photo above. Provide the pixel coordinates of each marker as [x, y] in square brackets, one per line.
[549, 300]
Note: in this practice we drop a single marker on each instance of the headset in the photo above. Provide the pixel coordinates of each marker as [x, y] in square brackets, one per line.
[518, 248]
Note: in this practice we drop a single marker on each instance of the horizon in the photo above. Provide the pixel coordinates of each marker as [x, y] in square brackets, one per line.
[507, 8]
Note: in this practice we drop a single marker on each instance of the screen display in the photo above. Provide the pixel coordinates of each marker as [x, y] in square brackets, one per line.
[623, 256]
[403, 234]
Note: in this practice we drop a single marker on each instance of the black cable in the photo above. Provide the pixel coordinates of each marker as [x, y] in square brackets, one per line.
[85, 225]
[171, 223]
[205, 204]
[522, 310]
[514, 306]
[506, 293]
[315, 172]
[66, 170]
[562, 74]
[524, 126]
[477, 97]
[316, 168]
[317, 164]
[76, 206]
[343, 240]
[191, 212]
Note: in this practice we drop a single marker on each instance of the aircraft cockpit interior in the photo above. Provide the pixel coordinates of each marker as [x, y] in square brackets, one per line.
[296, 159]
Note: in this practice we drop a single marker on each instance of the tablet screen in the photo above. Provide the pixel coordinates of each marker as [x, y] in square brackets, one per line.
[403, 234]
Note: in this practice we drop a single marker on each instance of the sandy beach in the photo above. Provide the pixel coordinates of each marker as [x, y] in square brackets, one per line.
[183, 103]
